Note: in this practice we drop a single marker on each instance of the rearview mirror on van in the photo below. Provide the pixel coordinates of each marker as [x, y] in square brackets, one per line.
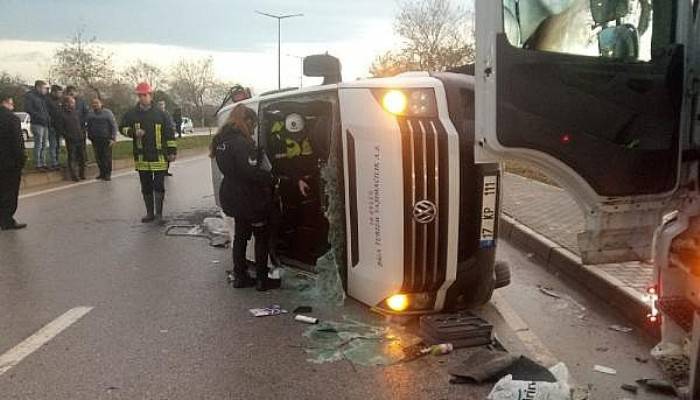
[619, 42]
[323, 65]
[608, 10]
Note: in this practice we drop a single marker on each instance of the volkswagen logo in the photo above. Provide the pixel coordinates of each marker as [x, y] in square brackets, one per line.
[425, 212]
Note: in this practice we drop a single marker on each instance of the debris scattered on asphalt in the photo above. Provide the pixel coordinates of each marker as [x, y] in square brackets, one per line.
[215, 262]
[357, 342]
[641, 360]
[485, 365]
[582, 392]
[303, 310]
[657, 385]
[629, 388]
[602, 349]
[305, 319]
[530, 255]
[216, 239]
[549, 292]
[620, 328]
[605, 370]
[507, 388]
[268, 311]
[163, 331]
[439, 349]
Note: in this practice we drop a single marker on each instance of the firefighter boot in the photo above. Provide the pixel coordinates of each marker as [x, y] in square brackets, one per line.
[148, 200]
[159, 197]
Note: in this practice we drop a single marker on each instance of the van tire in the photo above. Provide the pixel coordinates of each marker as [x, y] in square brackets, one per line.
[502, 273]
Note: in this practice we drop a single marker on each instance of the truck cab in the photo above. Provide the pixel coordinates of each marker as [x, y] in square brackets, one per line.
[602, 95]
[395, 197]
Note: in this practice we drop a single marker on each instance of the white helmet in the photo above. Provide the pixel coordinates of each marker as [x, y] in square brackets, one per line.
[294, 123]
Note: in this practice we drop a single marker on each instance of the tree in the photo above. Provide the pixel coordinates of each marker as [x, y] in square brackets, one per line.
[436, 36]
[141, 71]
[192, 81]
[83, 63]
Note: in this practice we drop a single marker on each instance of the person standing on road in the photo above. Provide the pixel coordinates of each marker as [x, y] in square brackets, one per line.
[54, 104]
[80, 105]
[102, 132]
[12, 160]
[177, 118]
[154, 146]
[161, 106]
[35, 105]
[245, 193]
[71, 128]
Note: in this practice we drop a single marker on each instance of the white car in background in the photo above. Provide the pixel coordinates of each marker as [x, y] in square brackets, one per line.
[26, 122]
[187, 125]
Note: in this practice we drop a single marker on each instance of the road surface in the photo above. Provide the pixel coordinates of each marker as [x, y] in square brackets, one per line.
[95, 305]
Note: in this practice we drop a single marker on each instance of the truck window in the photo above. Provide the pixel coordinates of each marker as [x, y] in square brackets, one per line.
[596, 84]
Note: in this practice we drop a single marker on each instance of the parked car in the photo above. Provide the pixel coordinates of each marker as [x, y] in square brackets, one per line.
[26, 121]
[187, 125]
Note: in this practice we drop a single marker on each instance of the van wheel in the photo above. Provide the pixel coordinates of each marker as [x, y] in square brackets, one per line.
[502, 272]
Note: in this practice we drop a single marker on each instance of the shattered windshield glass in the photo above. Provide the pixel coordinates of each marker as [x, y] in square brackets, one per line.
[613, 29]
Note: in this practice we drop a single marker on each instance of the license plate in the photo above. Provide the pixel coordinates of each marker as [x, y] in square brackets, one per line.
[489, 216]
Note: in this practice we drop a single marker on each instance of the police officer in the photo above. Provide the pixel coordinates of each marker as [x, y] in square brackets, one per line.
[154, 146]
[245, 193]
[12, 160]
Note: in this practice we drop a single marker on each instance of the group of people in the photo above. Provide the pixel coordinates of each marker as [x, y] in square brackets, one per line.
[67, 116]
[57, 114]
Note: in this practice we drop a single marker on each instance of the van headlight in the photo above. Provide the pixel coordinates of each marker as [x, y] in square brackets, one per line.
[408, 102]
[406, 303]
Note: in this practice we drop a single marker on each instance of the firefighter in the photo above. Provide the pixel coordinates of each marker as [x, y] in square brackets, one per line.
[154, 147]
[296, 163]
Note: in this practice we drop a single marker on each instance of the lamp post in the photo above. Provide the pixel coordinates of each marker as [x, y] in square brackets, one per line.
[279, 19]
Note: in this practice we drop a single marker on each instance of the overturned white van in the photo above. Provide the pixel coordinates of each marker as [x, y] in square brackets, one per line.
[411, 219]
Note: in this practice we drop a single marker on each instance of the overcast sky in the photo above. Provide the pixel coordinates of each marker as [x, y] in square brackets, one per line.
[242, 43]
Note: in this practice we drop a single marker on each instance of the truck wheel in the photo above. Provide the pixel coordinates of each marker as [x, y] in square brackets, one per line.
[502, 272]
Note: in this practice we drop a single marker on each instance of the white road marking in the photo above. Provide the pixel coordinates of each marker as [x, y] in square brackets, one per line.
[531, 342]
[31, 344]
[92, 181]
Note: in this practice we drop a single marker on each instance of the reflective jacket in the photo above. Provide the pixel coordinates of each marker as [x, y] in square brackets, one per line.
[152, 150]
[292, 154]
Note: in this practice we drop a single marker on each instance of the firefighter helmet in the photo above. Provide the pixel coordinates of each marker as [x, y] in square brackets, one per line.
[144, 88]
[294, 123]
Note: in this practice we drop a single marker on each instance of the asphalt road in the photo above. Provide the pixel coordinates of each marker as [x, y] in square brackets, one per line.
[162, 323]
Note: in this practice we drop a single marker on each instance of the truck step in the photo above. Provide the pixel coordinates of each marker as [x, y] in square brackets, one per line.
[679, 310]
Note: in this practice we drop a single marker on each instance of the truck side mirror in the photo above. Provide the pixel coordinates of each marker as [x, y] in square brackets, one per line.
[619, 42]
[604, 11]
[323, 65]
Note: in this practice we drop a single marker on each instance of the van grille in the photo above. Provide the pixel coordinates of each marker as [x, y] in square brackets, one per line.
[425, 188]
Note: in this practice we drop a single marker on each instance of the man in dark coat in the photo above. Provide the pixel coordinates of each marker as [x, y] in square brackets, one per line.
[102, 131]
[12, 160]
[71, 129]
[54, 104]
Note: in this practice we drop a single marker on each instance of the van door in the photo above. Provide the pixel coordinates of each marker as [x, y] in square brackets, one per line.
[590, 91]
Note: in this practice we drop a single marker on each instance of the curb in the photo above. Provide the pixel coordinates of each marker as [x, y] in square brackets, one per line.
[32, 180]
[557, 258]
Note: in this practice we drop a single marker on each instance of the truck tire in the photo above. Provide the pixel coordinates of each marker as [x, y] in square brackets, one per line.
[502, 272]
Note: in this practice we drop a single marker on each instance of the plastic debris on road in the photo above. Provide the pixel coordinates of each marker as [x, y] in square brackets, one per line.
[268, 311]
[509, 389]
[605, 370]
[358, 343]
[620, 328]
[214, 229]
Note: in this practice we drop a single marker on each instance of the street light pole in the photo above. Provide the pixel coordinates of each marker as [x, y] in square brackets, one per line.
[279, 19]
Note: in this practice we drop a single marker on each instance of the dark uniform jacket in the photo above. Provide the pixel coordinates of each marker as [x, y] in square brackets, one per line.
[35, 106]
[70, 126]
[246, 191]
[151, 151]
[12, 155]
